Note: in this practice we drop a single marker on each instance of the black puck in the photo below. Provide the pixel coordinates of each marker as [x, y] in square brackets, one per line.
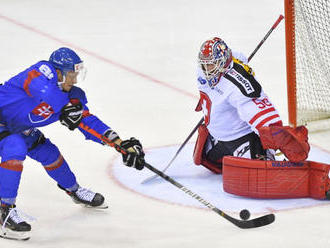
[244, 214]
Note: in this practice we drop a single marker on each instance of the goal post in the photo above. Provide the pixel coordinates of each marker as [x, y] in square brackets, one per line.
[307, 34]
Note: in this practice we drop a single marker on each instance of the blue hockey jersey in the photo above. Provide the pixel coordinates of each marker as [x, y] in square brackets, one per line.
[33, 99]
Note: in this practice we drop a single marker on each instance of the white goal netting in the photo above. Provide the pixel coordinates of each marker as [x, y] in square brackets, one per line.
[312, 51]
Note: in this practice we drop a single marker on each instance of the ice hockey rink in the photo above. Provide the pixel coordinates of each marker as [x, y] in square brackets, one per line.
[141, 61]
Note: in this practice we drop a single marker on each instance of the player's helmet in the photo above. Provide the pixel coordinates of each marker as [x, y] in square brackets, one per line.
[65, 59]
[214, 59]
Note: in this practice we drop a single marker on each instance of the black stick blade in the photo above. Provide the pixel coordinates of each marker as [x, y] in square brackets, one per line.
[257, 222]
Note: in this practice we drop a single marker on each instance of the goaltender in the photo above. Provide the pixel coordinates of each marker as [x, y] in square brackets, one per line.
[242, 130]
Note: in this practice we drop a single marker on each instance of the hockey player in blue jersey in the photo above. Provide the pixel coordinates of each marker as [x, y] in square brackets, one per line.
[36, 97]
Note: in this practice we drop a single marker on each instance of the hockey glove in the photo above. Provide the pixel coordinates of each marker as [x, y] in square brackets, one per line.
[72, 114]
[135, 155]
[293, 142]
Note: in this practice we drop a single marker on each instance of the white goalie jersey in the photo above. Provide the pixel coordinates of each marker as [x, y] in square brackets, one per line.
[237, 105]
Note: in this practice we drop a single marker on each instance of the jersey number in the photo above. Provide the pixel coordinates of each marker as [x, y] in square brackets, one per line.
[262, 103]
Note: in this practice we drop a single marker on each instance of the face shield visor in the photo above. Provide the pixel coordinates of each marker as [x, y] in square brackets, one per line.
[71, 77]
[78, 74]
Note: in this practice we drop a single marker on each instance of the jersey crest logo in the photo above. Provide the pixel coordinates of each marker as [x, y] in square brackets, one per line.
[41, 113]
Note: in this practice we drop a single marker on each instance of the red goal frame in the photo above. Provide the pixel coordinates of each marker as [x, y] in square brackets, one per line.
[290, 60]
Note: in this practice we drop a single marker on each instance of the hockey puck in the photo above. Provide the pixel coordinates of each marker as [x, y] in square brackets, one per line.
[244, 214]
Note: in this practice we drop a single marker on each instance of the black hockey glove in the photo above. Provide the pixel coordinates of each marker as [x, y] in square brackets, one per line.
[135, 156]
[71, 114]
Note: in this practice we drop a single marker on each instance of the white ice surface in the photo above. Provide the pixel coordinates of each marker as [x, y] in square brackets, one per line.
[141, 59]
[203, 182]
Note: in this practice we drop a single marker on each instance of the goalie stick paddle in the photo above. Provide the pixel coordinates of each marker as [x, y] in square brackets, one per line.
[244, 224]
[279, 19]
[177, 153]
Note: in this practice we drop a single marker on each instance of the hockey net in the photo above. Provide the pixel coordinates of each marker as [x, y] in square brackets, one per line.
[307, 28]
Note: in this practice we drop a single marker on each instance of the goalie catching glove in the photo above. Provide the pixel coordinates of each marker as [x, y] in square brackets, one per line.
[293, 142]
[72, 114]
[135, 155]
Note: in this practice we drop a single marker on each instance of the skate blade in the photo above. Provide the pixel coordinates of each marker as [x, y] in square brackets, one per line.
[14, 235]
[103, 206]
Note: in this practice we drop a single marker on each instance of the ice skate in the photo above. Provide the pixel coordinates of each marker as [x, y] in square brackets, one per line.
[87, 198]
[12, 225]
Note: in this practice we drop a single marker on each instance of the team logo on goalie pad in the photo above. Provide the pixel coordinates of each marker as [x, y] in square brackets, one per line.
[287, 164]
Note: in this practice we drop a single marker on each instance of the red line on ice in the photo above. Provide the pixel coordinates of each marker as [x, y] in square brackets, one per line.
[97, 56]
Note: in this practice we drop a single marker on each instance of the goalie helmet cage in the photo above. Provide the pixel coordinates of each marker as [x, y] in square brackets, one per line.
[307, 33]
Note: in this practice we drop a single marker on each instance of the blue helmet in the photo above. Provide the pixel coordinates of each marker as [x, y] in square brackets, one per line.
[65, 59]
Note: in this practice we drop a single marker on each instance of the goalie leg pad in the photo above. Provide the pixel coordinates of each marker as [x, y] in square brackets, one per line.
[203, 133]
[199, 154]
[275, 179]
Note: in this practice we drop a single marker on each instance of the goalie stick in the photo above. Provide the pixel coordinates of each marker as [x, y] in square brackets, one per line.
[279, 19]
[177, 153]
[244, 224]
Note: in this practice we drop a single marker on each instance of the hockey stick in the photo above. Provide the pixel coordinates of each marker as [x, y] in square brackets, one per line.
[279, 19]
[244, 224]
[177, 153]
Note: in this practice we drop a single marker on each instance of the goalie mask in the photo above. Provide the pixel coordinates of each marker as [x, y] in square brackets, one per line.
[214, 59]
